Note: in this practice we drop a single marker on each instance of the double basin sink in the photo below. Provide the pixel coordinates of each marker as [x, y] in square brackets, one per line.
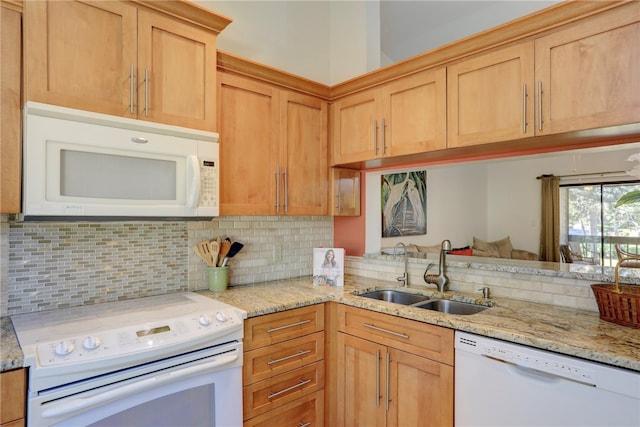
[422, 301]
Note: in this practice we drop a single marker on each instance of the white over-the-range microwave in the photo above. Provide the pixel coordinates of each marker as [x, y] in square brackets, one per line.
[84, 165]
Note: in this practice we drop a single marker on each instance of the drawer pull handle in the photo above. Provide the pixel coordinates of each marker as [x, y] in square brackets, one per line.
[307, 424]
[279, 328]
[291, 356]
[288, 389]
[376, 328]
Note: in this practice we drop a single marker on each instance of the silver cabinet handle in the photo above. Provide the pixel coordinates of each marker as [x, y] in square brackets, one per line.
[286, 191]
[301, 424]
[293, 387]
[539, 104]
[378, 378]
[524, 108]
[376, 328]
[291, 356]
[384, 143]
[388, 376]
[131, 88]
[339, 196]
[139, 139]
[375, 137]
[146, 92]
[279, 328]
[278, 190]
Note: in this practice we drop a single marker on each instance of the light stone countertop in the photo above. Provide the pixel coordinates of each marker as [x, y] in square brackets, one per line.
[563, 330]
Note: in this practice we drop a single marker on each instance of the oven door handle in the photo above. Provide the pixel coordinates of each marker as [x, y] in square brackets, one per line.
[79, 403]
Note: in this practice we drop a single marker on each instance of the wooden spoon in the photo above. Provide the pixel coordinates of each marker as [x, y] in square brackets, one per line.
[224, 250]
[202, 248]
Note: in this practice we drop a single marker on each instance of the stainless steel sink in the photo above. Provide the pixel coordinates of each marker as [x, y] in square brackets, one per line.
[451, 307]
[395, 296]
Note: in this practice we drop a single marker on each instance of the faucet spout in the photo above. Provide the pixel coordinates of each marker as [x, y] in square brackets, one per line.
[440, 280]
[405, 276]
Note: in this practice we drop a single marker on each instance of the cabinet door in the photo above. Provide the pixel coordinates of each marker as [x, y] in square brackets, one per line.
[415, 113]
[13, 390]
[345, 193]
[304, 155]
[490, 97]
[421, 391]
[356, 122]
[10, 116]
[248, 117]
[179, 60]
[361, 382]
[589, 73]
[79, 54]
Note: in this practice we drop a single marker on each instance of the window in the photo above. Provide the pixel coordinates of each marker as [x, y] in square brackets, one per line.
[591, 224]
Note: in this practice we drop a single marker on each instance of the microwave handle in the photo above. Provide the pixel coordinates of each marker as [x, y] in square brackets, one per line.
[194, 185]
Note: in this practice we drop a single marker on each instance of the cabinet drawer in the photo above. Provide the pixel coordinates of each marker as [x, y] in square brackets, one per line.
[274, 328]
[266, 362]
[430, 341]
[266, 395]
[308, 411]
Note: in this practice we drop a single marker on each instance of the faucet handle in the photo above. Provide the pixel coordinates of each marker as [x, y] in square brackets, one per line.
[486, 292]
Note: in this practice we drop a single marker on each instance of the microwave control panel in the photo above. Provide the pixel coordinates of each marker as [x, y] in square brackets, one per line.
[209, 183]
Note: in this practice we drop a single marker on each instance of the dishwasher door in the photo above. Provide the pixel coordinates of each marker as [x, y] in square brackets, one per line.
[504, 384]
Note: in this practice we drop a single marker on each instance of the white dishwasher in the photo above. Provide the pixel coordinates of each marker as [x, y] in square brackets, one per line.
[503, 384]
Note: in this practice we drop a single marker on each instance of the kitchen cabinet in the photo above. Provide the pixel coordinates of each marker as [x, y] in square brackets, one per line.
[123, 59]
[588, 74]
[490, 97]
[13, 395]
[273, 144]
[392, 371]
[10, 114]
[404, 116]
[284, 368]
[345, 192]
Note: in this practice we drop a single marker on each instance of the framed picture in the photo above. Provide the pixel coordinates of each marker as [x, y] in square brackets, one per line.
[328, 266]
[404, 204]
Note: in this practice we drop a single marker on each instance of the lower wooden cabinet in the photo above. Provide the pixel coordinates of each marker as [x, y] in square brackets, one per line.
[379, 384]
[284, 368]
[13, 390]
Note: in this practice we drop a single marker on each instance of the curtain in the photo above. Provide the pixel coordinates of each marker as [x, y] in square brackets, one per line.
[550, 219]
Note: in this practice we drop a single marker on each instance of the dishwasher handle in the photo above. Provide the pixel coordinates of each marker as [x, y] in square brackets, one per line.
[536, 371]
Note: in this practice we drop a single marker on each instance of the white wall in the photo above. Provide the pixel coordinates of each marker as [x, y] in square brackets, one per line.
[490, 199]
[456, 207]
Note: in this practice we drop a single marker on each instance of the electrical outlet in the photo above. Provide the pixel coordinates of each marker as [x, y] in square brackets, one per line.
[277, 253]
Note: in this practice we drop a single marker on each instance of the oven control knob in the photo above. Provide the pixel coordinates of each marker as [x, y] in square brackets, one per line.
[204, 320]
[91, 342]
[221, 317]
[63, 348]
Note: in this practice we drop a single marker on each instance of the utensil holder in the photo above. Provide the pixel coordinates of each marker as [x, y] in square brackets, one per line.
[218, 278]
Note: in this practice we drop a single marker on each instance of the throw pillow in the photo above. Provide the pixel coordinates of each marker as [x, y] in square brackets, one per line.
[500, 248]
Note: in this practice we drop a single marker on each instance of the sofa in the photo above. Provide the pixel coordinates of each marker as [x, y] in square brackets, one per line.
[497, 249]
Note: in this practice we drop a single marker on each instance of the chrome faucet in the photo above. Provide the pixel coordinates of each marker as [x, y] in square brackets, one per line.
[440, 280]
[405, 277]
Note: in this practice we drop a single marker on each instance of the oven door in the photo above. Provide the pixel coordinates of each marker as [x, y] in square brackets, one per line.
[205, 392]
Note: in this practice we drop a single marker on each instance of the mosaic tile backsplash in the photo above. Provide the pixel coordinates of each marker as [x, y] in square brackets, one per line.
[57, 265]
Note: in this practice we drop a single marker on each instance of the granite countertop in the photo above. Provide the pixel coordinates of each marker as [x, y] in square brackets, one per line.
[563, 330]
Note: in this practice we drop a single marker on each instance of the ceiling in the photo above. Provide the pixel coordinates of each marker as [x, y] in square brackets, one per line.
[408, 28]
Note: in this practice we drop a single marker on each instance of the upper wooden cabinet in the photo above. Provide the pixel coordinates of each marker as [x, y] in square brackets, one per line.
[273, 146]
[345, 192]
[490, 97]
[405, 116]
[588, 75]
[10, 116]
[122, 59]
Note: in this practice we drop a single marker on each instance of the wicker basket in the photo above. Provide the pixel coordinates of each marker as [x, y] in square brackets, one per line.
[617, 303]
